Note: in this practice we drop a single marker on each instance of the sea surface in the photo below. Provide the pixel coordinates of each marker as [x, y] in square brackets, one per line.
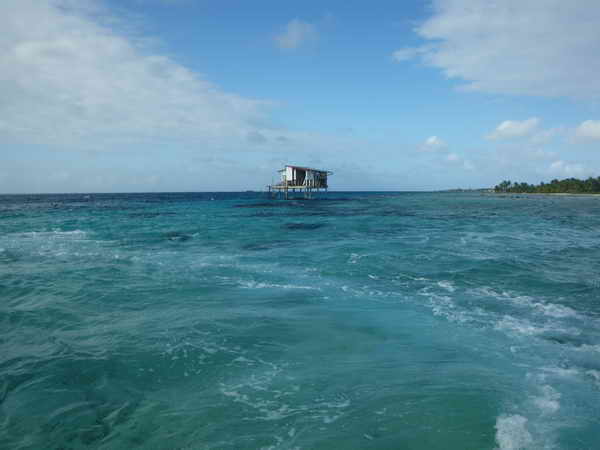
[353, 321]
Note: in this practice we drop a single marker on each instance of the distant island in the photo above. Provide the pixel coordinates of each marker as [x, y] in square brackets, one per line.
[566, 186]
[467, 190]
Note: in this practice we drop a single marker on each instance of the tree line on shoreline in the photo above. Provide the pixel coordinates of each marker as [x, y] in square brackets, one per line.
[566, 186]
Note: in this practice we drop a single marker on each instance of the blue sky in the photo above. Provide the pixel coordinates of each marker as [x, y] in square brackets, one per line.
[199, 95]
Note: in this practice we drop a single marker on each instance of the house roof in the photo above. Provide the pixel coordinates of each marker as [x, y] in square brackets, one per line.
[302, 168]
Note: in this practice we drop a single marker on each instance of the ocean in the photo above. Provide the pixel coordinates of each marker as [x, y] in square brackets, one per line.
[351, 321]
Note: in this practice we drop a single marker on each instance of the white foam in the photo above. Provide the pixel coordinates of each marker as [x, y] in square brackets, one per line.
[261, 285]
[589, 348]
[594, 375]
[523, 326]
[238, 397]
[54, 234]
[258, 393]
[242, 359]
[512, 433]
[341, 403]
[548, 401]
[447, 285]
[561, 372]
[554, 310]
[484, 291]
[509, 323]
[354, 258]
[442, 305]
[548, 309]
[331, 419]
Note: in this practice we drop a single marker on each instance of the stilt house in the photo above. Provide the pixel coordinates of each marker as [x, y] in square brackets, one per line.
[301, 179]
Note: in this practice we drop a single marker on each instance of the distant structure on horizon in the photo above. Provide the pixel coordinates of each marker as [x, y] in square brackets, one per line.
[300, 179]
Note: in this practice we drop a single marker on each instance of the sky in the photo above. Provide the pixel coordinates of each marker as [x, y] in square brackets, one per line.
[217, 95]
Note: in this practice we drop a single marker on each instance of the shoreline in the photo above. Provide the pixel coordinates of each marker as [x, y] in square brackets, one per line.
[579, 194]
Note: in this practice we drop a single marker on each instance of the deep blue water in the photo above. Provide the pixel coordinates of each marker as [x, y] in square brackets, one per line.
[355, 321]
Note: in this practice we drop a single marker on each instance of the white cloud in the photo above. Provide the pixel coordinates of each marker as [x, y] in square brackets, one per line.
[563, 168]
[295, 34]
[514, 128]
[538, 154]
[458, 160]
[589, 129]
[407, 53]
[545, 136]
[433, 143]
[534, 47]
[468, 165]
[439, 148]
[67, 79]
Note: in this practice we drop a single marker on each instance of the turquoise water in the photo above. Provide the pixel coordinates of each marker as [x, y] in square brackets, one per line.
[360, 320]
